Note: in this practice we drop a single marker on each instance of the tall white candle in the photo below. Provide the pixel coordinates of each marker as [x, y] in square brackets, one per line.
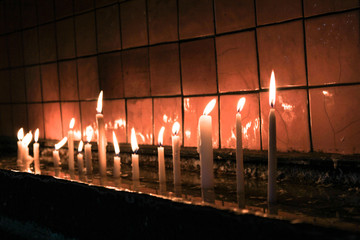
[80, 158]
[205, 147]
[36, 152]
[88, 156]
[25, 153]
[71, 145]
[56, 156]
[239, 149]
[161, 158]
[135, 157]
[101, 136]
[272, 162]
[20, 136]
[117, 163]
[176, 153]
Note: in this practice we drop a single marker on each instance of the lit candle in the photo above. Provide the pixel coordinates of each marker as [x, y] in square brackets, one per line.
[80, 157]
[176, 154]
[88, 156]
[101, 136]
[161, 159]
[25, 154]
[134, 156]
[20, 136]
[56, 156]
[36, 152]
[205, 147]
[71, 145]
[116, 157]
[272, 143]
[239, 150]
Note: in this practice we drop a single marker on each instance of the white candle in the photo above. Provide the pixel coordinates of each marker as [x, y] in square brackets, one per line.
[80, 158]
[272, 143]
[36, 153]
[56, 156]
[239, 150]
[205, 147]
[20, 136]
[71, 145]
[88, 156]
[134, 157]
[101, 136]
[116, 157]
[161, 158]
[25, 153]
[176, 154]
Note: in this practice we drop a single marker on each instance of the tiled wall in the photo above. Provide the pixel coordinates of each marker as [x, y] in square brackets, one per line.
[160, 61]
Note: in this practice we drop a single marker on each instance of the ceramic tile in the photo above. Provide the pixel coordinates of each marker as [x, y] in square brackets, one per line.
[17, 85]
[4, 60]
[71, 110]
[88, 78]
[68, 81]
[50, 82]
[47, 43]
[12, 15]
[36, 118]
[271, 11]
[315, 7]
[6, 125]
[100, 3]
[33, 84]
[52, 121]
[31, 46]
[5, 91]
[19, 116]
[45, 9]
[83, 5]
[65, 38]
[85, 34]
[15, 49]
[115, 119]
[88, 117]
[63, 8]
[2, 18]
[28, 13]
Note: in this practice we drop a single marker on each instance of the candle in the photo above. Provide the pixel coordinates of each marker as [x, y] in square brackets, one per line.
[176, 154]
[239, 150]
[101, 136]
[134, 156]
[205, 147]
[80, 157]
[272, 143]
[20, 136]
[25, 153]
[88, 156]
[56, 156]
[71, 145]
[161, 159]
[116, 157]
[36, 152]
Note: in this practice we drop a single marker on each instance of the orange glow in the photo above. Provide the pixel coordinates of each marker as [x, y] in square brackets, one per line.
[116, 144]
[209, 107]
[241, 104]
[20, 134]
[161, 136]
[134, 144]
[272, 92]
[89, 133]
[100, 102]
[27, 139]
[72, 123]
[36, 135]
[176, 128]
[81, 145]
[61, 143]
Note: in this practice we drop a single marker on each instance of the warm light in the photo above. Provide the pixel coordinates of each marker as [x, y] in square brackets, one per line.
[116, 144]
[27, 139]
[176, 128]
[72, 123]
[134, 145]
[209, 107]
[36, 135]
[89, 133]
[20, 134]
[81, 145]
[61, 143]
[99, 102]
[161, 136]
[272, 93]
[241, 104]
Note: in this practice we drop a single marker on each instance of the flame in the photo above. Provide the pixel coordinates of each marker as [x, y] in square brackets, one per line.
[241, 104]
[134, 145]
[161, 136]
[116, 144]
[20, 134]
[27, 139]
[81, 145]
[272, 94]
[176, 128]
[89, 133]
[188, 134]
[72, 123]
[61, 143]
[209, 107]
[99, 102]
[36, 135]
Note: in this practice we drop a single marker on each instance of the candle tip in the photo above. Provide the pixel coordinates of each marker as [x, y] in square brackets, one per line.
[134, 144]
[99, 102]
[116, 144]
[81, 145]
[36, 135]
[209, 107]
[72, 123]
[89, 133]
[61, 143]
[20, 134]
[161, 136]
[272, 90]
[176, 128]
[241, 104]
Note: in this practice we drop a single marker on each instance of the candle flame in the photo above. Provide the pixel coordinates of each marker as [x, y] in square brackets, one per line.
[61, 143]
[27, 139]
[272, 93]
[81, 145]
[209, 107]
[241, 104]
[116, 144]
[134, 145]
[36, 135]
[161, 136]
[72, 123]
[176, 128]
[20, 134]
[99, 102]
[89, 133]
